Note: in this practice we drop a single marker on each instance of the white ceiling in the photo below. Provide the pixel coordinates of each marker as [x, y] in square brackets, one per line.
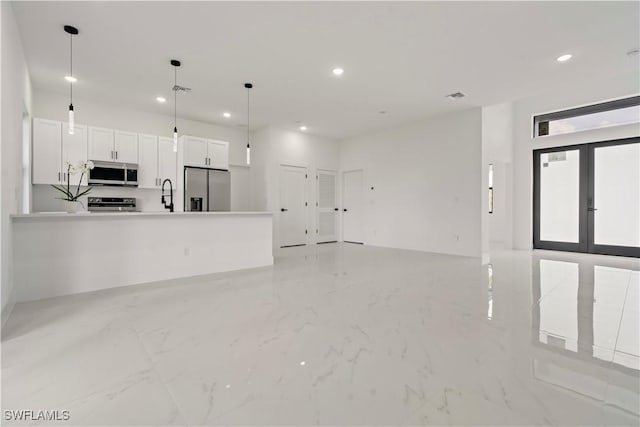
[401, 57]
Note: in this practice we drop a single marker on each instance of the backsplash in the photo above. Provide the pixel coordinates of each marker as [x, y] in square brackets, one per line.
[44, 198]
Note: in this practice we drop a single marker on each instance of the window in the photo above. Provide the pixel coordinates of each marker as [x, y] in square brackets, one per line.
[490, 188]
[613, 113]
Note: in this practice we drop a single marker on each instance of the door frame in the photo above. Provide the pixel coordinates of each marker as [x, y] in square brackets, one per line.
[593, 248]
[585, 201]
[335, 174]
[344, 172]
[306, 198]
[581, 246]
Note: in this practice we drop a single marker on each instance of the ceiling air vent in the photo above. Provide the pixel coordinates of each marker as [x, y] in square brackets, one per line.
[456, 95]
[177, 88]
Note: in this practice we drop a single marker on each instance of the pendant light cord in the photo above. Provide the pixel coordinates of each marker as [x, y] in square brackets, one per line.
[248, 117]
[71, 68]
[175, 97]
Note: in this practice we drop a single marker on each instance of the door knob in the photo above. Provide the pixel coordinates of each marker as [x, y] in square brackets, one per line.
[592, 209]
[344, 210]
[336, 209]
[283, 210]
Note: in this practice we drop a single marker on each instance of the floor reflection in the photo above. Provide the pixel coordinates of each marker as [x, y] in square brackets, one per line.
[587, 308]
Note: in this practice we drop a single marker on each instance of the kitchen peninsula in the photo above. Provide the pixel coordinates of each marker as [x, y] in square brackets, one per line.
[60, 254]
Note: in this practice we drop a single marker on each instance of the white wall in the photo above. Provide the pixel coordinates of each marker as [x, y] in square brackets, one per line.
[574, 94]
[53, 106]
[15, 86]
[426, 179]
[272, 147]
[497, 143]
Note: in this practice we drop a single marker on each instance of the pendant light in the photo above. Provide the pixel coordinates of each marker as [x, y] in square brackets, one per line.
[175, 64]
[72, 31]
[248, 86]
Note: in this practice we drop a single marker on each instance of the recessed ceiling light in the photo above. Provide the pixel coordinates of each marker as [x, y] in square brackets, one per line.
[161, 99]
[70, 79]
[456, 95]
[337, 71]
[226, 114]
[564, 58]
[303, 128]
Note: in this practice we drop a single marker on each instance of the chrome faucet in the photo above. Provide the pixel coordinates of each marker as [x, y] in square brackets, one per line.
[164, 203]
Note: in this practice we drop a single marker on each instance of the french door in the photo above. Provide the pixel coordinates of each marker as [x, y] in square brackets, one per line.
[326, 206]
[587, 198]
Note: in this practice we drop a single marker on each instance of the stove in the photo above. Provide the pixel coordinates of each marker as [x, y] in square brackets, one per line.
[111, 204]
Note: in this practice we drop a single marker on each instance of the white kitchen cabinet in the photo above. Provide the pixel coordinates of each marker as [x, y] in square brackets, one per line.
[195, 151]
[125, 147]
[204, 152]
[218, 154]
[167, 161]
[157, 161]
[47, 152]
[101, 144]
[113, 146]
[74, 151]
[147, 161]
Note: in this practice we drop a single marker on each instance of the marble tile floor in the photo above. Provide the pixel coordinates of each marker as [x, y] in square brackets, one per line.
[341, 334]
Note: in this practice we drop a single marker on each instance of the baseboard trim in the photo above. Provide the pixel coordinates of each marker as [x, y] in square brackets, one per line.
[6, 312]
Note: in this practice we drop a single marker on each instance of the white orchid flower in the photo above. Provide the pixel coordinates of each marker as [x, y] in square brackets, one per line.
[90, 165]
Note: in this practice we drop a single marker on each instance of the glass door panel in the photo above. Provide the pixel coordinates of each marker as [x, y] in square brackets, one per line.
[560, 196]
[616, 194]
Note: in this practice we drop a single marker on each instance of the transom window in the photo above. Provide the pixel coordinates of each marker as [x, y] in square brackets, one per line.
[606, 114]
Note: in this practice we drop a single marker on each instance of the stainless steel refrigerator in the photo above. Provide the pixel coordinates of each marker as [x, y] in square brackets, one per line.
[206, 190]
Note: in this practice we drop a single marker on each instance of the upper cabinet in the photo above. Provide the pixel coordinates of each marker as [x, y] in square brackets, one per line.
[218, 152]
[126, 147]
[167, 160]
[101, 144]
[113, 146]
[195, 151]
[53, 147]
[47, 152]
[74, 151]
[148, 161]
[157, 161]
[205, 152]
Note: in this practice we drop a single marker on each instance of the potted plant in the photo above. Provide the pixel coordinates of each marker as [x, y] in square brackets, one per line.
[72, 198]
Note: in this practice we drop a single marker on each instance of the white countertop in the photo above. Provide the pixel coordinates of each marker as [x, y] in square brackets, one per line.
[84, 215]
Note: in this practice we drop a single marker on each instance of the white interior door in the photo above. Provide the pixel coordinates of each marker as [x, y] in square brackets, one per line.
[293, 230]
[327, 208]
[353, 206]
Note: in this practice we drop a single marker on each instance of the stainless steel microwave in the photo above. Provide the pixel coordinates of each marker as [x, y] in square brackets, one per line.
[111, 173]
